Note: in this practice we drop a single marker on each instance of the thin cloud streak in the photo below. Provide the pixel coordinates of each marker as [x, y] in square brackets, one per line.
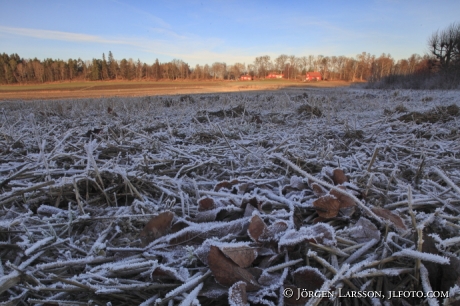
[197, 49]
[58, 35]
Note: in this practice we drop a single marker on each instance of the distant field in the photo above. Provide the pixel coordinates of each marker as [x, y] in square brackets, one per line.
[144, 88]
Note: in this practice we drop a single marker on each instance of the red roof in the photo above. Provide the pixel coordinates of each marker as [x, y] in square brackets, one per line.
[314, 74]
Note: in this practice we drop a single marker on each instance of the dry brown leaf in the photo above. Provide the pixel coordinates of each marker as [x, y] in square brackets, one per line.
[227, 273]
[225, 184]
[178, 226]
[364, 230]
[318, 190]
[206, 204]
[338, 176]
[243, 256]
[308, 278]
[388, 215]
[157, 227]
[345, 201]
[273, 231]
[165, 274]
[237, 294]
[305, 278]
[256, 227]
[347, 204]
[327, 206]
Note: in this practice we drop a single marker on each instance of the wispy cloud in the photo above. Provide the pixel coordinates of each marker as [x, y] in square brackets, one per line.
[168, 33]
[193, 48]
[58, 35]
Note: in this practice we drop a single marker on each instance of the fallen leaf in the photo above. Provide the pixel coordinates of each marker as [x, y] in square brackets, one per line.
[162, 273]
[347, 204]
[206, 204]
[243, 256]
[225, 184]
[388, 215]
[237, 294]
[345, 200]
[327, 206]
[256, 227]
[338, 176]
[364, 231]
[318, 190]
[227, 273]
[308, 278]
[274, 231]
[157, 227]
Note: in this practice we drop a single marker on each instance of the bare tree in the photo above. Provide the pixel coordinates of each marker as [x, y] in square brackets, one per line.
[303, 63]
[292, 64]
[445, 45]
[281, 62]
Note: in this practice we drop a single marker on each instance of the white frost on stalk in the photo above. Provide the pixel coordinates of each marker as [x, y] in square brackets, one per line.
[423, 256]
[191, 296]
[37, 245]
[322, 233]
[426, 285]
[215, 229]
[50, 210]
[192, 282]
[361, 251]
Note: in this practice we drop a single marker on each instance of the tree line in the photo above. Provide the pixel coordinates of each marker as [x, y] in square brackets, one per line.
[17, 70]
[444, 57]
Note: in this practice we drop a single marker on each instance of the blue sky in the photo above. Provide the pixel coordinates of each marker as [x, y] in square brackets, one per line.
[201, 31]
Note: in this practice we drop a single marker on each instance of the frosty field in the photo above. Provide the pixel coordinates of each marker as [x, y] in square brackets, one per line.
[340, 190]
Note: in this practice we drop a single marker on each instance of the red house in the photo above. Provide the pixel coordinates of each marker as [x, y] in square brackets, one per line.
[275, 76]
[245, 78]
[313, 76]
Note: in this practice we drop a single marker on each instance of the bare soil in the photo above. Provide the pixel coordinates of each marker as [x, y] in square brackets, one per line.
[69, 90]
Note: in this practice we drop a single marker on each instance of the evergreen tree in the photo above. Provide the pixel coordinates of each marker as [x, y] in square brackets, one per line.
[156, 70]
[104, 68]
[96, 70]
[124, 69]
[113, 66]
[2, 69]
